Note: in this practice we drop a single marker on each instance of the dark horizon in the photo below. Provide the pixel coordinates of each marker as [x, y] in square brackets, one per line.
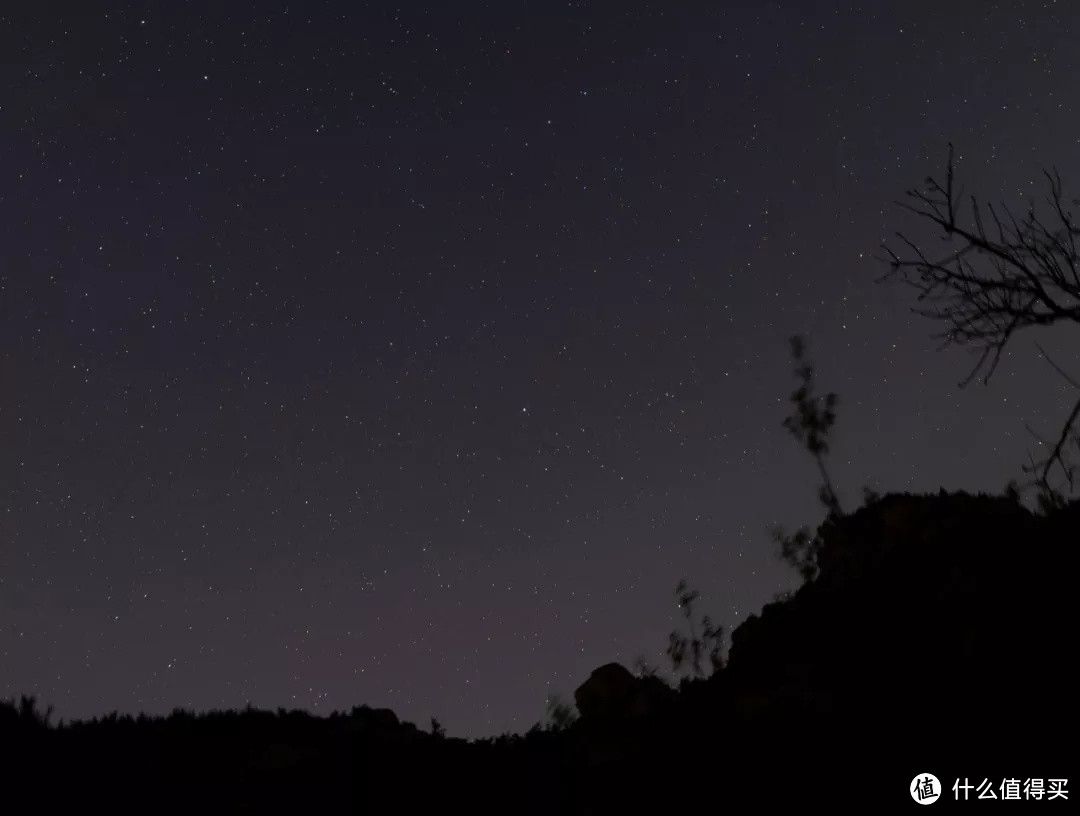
[409, 359]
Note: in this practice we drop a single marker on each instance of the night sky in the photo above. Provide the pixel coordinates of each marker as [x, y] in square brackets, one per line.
[409, 357]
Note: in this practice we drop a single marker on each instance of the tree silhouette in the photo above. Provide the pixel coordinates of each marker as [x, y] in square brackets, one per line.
[643, 668]
[1001, 274]
[811, 423]
[25, 712]
[437, 729]
[687, 652]
[799, 549]
[560, 714]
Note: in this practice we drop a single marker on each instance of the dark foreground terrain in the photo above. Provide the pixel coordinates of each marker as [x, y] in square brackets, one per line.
[936, 637]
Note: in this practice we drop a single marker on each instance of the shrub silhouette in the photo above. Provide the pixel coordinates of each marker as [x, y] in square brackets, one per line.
[811, 423]
[703, 639]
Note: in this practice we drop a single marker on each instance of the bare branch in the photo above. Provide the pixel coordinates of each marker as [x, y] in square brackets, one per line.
[1003, 275]
[1057, 368]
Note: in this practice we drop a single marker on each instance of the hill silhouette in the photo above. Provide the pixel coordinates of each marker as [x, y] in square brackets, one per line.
[933, 638]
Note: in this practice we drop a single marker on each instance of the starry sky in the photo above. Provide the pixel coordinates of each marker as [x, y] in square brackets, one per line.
[410, 356]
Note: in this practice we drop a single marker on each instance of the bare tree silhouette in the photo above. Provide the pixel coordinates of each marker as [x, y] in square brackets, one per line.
[1002, 274]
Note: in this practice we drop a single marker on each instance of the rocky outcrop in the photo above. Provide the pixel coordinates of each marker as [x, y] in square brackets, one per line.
[613, 693]
[374, 720]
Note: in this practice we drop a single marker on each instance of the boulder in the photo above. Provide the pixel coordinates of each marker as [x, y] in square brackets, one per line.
[612, 692]
[607, 694]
